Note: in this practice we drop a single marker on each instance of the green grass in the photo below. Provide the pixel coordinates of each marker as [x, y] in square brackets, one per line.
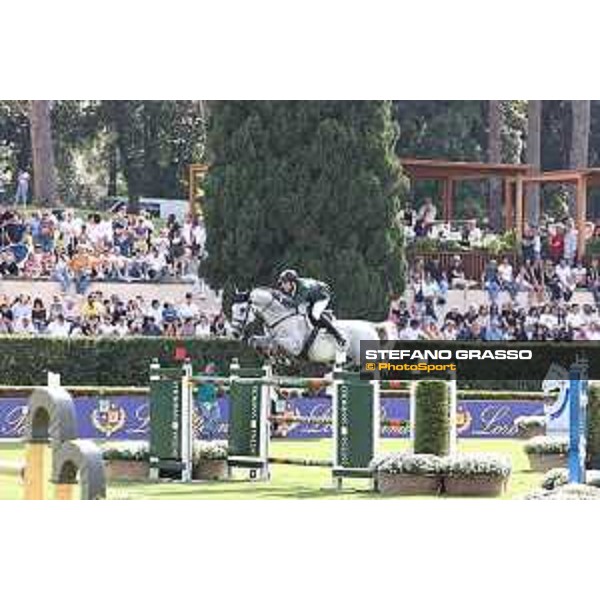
[287, 482]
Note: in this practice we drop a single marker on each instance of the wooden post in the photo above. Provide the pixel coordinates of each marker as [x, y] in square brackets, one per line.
[580, 214]
[450, 192]
[507, 205]
[35, 467]
[445, 204]
[519, 207]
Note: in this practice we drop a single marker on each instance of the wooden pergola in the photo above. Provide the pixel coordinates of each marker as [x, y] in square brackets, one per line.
[582, 179]
[449, 172]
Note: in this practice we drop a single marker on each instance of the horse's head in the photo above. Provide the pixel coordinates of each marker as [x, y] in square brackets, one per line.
[241, 313]
[247, 306]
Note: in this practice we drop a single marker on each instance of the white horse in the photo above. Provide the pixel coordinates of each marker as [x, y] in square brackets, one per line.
[288, 328]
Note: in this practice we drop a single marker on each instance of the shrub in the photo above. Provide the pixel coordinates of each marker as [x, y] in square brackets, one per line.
[130, 450]
[529, 422]
[543, 444]
[593, 427]
[407, 463]
[463, 465]
[140, 450]
[432, 418]
[209, 450]
[474, 465]
[555, 478]
[573, 491]
[25, 361]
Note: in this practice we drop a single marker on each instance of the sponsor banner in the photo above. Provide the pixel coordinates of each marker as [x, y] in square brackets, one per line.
[127, 417]
[105, 418]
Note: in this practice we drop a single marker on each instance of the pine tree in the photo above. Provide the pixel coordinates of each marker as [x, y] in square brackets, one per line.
[313, 186]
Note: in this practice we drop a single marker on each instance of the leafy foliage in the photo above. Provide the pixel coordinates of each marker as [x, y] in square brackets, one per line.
[463, 465]
[593, 427]
[309, 185]
[107, 362]
[431, 420]
[407, 463]
[543, 444]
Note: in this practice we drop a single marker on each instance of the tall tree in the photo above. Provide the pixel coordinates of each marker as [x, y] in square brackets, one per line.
[495, 156]
[309, 185]
[44, 171]
[534, 156]
[580, 135]
[580, 140]
[156, 141]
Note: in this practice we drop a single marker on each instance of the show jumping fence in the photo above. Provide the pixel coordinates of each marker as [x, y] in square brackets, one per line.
[356, 420]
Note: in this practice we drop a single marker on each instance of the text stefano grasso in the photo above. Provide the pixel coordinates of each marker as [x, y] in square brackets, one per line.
[497, 354]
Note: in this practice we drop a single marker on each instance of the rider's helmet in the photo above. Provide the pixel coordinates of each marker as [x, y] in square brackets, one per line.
[288, 275]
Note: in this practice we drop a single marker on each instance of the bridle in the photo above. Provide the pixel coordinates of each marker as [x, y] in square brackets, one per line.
[269, 326]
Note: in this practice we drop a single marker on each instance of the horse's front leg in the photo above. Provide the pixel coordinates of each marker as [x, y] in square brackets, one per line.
[260, 342]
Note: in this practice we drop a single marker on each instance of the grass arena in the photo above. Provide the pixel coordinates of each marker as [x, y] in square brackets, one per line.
[56, 456]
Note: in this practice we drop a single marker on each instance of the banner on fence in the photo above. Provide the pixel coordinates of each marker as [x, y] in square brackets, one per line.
[127, 417]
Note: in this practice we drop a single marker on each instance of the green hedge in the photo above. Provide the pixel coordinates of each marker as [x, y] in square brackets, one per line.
[25, 361]
[107, 362]
[432, 418]
[593, 427]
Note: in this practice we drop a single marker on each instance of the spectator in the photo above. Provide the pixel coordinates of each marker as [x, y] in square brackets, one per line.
[39, 315]
[58, 327]
[491, 283]
[427, 213]
[150, 328]
[188, 309]
[22, 194]
[506, 278]
[556, 243]
[570, 243]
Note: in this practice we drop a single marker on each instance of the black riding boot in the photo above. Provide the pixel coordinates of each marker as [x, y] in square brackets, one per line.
[331, 328]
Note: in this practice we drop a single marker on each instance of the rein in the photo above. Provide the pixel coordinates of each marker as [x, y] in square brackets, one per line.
[275, 323]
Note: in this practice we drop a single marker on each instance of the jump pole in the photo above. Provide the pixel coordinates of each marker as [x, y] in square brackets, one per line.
[355, 404]
[187, 423]
[249, 425]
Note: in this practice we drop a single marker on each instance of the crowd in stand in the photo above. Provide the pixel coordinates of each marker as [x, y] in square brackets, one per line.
[59, 245]
[538, 304]
[97, 315]
[76, 251]
[538, 287]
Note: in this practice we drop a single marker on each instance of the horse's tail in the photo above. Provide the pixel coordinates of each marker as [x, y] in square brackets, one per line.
[386, 330]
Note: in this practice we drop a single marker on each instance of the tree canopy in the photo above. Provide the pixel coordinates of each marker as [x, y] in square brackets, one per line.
[309, 185]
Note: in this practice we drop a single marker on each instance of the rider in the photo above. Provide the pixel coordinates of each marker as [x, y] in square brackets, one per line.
[315, 294]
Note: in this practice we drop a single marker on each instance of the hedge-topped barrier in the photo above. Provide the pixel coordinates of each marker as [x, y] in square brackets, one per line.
[432, 418]
[25, 361]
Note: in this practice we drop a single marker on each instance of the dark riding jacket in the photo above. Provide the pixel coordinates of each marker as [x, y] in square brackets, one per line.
[309, 291]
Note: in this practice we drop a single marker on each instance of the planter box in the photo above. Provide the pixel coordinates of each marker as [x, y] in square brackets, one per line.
[126, 470]
[407, 484]
[541, 463]
[531, 432]
[474, 485]
[210, 469]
